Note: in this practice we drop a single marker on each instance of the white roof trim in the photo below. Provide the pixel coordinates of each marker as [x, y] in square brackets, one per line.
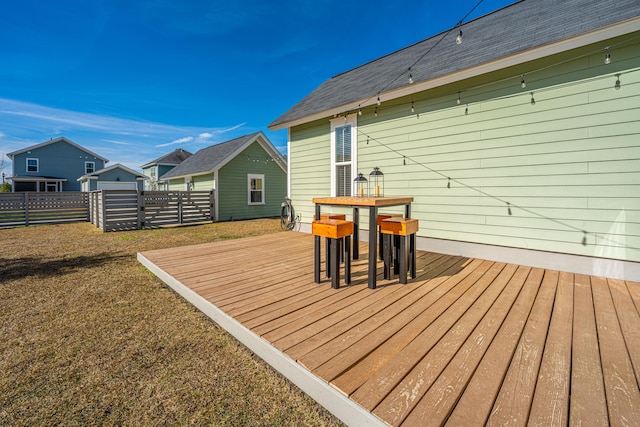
[260, 138]
[53, 141]
[601, 34]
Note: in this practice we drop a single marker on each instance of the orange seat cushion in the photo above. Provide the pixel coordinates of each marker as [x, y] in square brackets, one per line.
[332, 228]
[399, 226]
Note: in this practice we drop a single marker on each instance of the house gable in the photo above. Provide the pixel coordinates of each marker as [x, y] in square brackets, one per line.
[59, 158]
[544, 175]
[233, 186]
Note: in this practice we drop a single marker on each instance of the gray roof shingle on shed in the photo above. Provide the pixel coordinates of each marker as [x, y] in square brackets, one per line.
[211, 158]
[175, 157]
[508, 31]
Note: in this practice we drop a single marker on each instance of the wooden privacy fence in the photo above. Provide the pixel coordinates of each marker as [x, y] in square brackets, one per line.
[113, 210]
[31, 208]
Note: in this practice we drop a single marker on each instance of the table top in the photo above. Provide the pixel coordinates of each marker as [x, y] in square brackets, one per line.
[363, 201]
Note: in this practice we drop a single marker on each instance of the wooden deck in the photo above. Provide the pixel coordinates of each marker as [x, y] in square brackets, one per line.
[468, 342]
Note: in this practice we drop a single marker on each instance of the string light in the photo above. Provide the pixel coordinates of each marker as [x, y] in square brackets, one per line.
[523, 84]
[375, 112]
[410, 78]
[459, 38]
[617, 85]
[607, 56]
[359, 110]
[459, 100]
[378, 100]
[413, 110]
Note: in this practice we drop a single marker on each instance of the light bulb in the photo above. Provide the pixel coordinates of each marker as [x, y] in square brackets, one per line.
[378, 100]
[607, 56]
[410, 79]
[459, 100]
[523, 84]
[459, 38]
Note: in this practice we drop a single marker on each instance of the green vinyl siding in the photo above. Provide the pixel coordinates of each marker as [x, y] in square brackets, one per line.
[176, 184]
[203, 182]
[560, 174]
[233, 186]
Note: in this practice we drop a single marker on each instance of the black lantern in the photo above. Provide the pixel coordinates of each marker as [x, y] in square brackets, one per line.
[376, 179]
[361, 185]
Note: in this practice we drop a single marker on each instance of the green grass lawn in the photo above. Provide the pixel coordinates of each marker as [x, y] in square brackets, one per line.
[90, 337]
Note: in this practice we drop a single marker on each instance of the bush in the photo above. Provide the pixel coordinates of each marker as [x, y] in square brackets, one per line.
[5, 187]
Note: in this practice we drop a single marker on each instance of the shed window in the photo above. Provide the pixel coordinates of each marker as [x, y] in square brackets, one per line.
[256, 189]
[343, 156]
[89, 167]
[33, 165]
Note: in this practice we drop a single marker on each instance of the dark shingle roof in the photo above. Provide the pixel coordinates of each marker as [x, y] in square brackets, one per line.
[173, 158]
[513, 29]
[211, 158]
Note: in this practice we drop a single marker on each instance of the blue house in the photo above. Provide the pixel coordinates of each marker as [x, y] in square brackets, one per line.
[54, 165]
[114, 177]
[158, 167]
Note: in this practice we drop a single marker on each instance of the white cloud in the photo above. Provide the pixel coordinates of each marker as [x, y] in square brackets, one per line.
[177, 141]
[23, 124]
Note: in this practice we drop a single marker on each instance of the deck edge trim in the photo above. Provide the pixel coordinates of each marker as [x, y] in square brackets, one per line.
[322, 392]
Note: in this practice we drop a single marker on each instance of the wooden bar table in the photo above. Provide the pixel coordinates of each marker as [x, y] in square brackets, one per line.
[372, 203]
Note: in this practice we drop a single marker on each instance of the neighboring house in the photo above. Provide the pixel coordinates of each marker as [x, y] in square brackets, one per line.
[115, 177]
[54, 165]
[520, 144]
[248, 175]
[155, 169]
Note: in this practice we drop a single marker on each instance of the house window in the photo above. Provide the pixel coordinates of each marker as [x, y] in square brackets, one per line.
[33, 165]
[256, 189]
[343, 136]
[89, 167]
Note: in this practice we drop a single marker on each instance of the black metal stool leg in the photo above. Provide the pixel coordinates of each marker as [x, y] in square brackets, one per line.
[412, 255]
[387, 256]
[347, 260]
[316, 259]
[404, 257]
[335, 263]
[327, 256]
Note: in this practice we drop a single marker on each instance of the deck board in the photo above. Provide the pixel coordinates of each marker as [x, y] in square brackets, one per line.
[467, 342]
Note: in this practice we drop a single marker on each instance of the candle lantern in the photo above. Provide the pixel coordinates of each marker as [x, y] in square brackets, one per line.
[376, 180]
[361, 185]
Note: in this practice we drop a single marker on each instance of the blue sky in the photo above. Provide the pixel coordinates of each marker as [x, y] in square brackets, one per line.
[133, 80]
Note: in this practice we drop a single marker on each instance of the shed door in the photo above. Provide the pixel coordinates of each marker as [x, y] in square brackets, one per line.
[116, 185]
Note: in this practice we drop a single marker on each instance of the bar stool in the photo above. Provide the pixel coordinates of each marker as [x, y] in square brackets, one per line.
[335, 230]
[327, 257]
[382, 217]
[405, 251]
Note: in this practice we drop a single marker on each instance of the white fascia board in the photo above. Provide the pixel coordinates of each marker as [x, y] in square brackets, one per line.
[605, 33]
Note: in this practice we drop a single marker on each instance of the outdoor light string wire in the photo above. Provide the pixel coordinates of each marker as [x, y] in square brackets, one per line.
[508, 204]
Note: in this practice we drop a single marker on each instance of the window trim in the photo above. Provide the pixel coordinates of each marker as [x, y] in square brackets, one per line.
[93, 169]
[351, 119]
[249, 189]
[37, 165]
